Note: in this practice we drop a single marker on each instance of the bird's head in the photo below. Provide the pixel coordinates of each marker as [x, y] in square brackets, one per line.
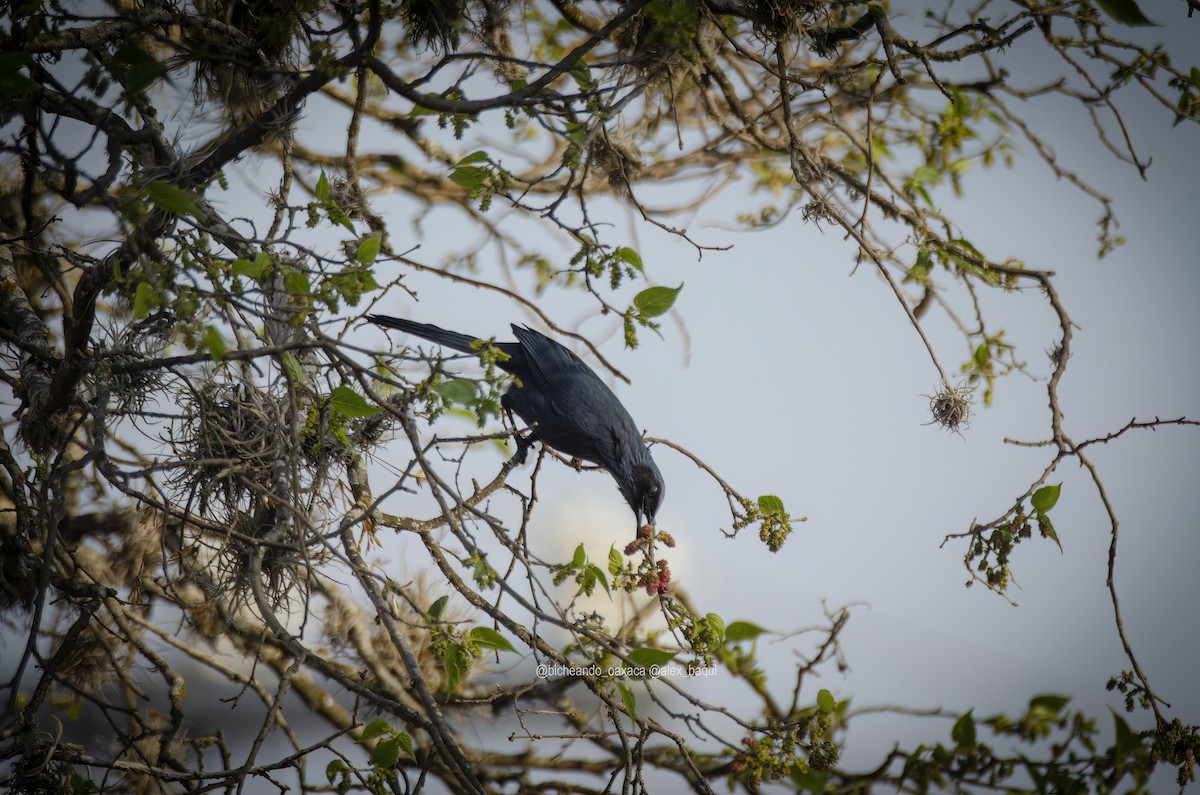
[645, 489]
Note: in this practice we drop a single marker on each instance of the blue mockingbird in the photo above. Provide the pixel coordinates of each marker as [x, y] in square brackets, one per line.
[567, 407]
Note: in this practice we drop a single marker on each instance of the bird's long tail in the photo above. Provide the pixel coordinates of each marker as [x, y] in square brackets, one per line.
[450, 339]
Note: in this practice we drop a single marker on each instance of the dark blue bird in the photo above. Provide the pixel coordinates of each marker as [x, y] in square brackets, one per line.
[567, 407]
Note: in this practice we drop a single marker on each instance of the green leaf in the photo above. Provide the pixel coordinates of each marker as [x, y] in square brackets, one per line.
[922, 267]
[368, 249]
[322, 189]
[629, 257]
[1047, 529]
[655, 301]
[1125, 11]
[256, 270]
[808, 780]
[1039, 781]
[170, 198]
[596, 574]
[628, 700]
[647, 657]
[963, 732]
[12, 82]
[1049, 702]
[144, 297]
[927, 175]
[456, 664]
[292, 365]
[1127, 740]
[739, 631]
[718, 625]
[374, 729]
[387, 753]
[141, 68]
[488, 638]
[580, 557]
[469, 178]
[438, 607]
[406, 744]
[296, 282]
[826, 702]
[214, 343]
[615, 563]
[1046, 498]
[457, 390]
[770, 504]
[478, 156]
[334, 769]
[347, 403]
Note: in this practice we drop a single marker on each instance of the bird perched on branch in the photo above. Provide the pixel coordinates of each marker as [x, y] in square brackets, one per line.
[567, 407]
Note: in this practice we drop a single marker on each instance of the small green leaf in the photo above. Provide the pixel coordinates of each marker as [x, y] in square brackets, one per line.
[214, 343]
[922, 267]
[926, 175]
[170, 198]
[596, 573]
[348, 403]
[292, 365]
[488, 638]
[963, 732]
[438, 607]
[12, 82]
[628, 700]
[1127, 740]
[322, 189]
[469, 178]
[580, 557]
[368, 249]
[334, 769]
[655, 301]
[141, 68]
[374, 729]
[144, 297]
[11, 62]
[457, 390]
[809, 780]
[770, 504]
[406, 744]
[1046, 498]
[647, 657]
[1125, 11]
[296, 282]
[256, 270]
[456, 664]
[826, 702]
[478, 156]
[387, 753]
[718, 625]
[1039, 781]
[739, 631]
[629, 257]
[615, 563]
[1047, 528]
[1051, 703]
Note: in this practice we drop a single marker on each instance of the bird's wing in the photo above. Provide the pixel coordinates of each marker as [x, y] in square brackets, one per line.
[549, 365]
